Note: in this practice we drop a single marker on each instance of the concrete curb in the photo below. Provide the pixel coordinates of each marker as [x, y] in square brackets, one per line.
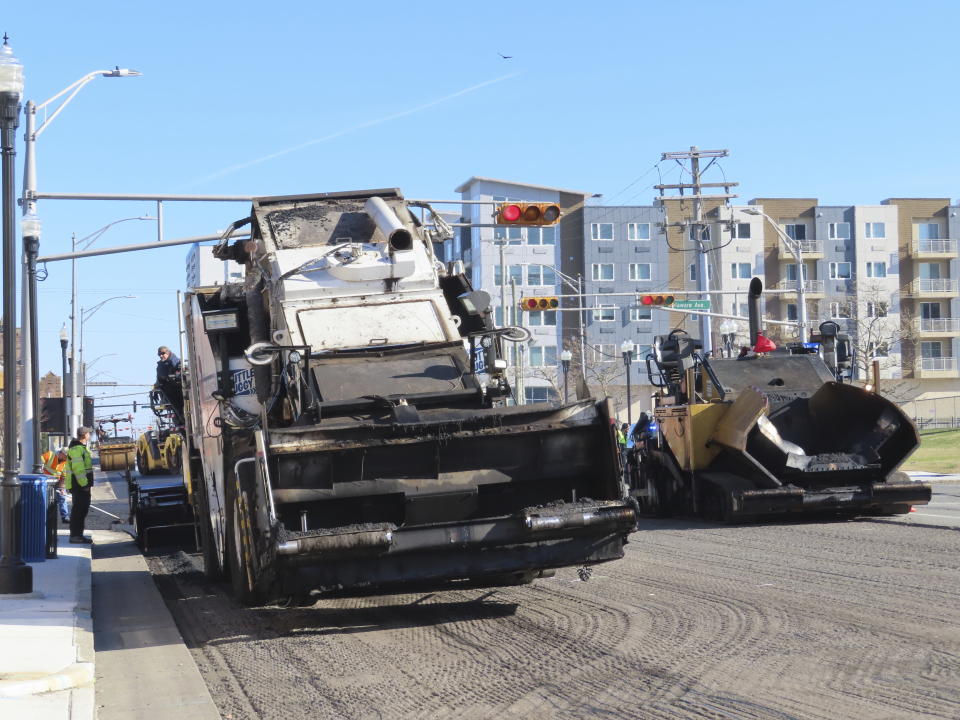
[82, 672]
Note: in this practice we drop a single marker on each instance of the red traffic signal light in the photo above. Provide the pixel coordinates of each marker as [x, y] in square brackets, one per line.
[528, 214]
[663, 300]
[549, 302]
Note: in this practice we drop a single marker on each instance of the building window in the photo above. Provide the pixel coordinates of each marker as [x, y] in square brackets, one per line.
[536, 394]
[605, 353]
[877, 309]
[792, 273]
[605, 313]
[839, 271]
[638, 231]
[792, 313]
[704, 233]
[543, 356]
[839, 311]
[639, 271]
[542, 318]
[931, 349]
[514, 272]
[513, 235]
[929, 311]
[602, 271]
[740, 231]
[641, 314]
[542, 236]
[511, 316]
[693, 272]
[541, 275]
[876, 269]
[796, 231]
[740, 271]
[928, 231]
[875, 230]
[838, 231]
[601, 231]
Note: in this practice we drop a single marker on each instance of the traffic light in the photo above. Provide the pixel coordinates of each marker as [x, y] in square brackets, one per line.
[663, 300]
[528, 214]
[550, 302]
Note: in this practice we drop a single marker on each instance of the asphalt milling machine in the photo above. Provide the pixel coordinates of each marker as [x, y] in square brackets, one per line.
[768, 434]
[347, 423]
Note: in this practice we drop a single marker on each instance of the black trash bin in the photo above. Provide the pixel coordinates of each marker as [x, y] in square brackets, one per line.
[33, 517]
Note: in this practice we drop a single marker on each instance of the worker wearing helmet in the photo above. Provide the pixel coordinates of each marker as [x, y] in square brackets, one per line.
[78, 479]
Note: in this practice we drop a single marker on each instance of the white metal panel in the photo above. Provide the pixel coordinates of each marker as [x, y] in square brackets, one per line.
[360, 326]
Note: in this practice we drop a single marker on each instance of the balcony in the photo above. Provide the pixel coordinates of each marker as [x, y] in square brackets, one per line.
[809, 248]
[938, 327]
[939, 248]
[811, 288]
[942, 287]
[936, 367]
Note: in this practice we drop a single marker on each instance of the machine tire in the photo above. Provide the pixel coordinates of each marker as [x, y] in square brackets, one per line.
[142, 466]
[211, 561]
[718, 505]
[176, 463]
[240, 541]
[139, 536]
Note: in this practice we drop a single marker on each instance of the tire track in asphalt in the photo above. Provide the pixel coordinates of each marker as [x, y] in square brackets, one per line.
[789, 621]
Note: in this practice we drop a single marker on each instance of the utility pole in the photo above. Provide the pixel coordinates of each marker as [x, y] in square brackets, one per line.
[694, 228]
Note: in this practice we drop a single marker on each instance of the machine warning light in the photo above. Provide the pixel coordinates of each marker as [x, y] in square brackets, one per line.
[528, 214]
[539, 303]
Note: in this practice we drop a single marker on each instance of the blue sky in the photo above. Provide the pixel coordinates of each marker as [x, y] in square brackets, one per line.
[846, 102]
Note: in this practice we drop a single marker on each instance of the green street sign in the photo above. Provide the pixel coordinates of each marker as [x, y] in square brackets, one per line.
[691, 305]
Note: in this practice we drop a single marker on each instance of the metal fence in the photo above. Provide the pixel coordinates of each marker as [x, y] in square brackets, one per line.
[940, 413]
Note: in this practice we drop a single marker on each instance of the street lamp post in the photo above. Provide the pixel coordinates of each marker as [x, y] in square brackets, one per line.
[797, 252]
[627, 349]
[84, 316]
[15, 575]
[29, 397]
[565, 357]
[75, 319]
[63, 385]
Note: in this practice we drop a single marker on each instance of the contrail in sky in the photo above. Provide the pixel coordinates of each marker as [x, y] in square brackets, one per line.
[340, 133]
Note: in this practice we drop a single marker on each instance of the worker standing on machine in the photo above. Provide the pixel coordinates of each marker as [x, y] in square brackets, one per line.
[168, 379]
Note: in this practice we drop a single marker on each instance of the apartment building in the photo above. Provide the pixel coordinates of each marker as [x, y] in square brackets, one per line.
[514, 262]
[887, 274]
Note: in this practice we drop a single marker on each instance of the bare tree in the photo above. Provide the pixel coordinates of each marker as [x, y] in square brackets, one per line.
[876, 332]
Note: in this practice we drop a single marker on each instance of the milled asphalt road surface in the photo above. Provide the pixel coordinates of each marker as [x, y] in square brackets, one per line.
[812, 620]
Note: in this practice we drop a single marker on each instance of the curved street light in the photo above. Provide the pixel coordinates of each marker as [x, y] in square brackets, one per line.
[29, 397]
[88, 240]
[794, 246]
[86, 315]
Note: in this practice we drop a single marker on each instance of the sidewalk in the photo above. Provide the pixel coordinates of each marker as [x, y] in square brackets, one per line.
[95, 640]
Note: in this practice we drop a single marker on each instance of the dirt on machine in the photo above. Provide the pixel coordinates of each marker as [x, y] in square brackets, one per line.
[768, 434]
[347, 417]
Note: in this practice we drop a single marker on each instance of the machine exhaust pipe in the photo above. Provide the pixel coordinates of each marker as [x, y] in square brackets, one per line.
[398, 237]
[753, 309]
